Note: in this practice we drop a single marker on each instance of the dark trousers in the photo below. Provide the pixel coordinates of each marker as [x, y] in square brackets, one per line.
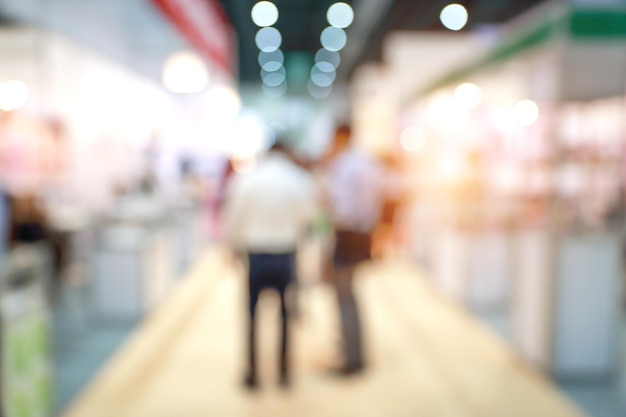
[269, 271]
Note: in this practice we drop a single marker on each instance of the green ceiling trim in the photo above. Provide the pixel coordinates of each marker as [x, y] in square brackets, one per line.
[579, 24]
[598, 24]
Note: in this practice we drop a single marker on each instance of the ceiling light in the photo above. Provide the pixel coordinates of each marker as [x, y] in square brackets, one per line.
[468, 95]
[276, 91]
[222, 103]
[271, 61]
[331, 57]
[13, 95]
[322, 79]
[333, 39]
[340, 15]
[281, 70]
[526, 112]
[273, 79]
[454, 16]
[318, 92]
[268, 39]
[186, 73]
[264, 13]
[412, 139]
[317, 70]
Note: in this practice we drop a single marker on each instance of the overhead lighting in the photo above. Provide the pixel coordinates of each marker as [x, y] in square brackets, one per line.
[271, 61]
[526, 112]
[317, 70]
[322, 79]
[268, 39]
[275, 91]
[264, 13]
[273, 79]
[281, 70]
[13, 95]
[468, 95]
[185, 73]
[222, 103]
[454, 16]
[318, 92]
[340, 15]
[330, 57]
[412, 139]
[333, 39]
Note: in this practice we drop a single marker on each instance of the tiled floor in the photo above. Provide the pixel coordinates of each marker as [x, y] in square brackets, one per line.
[427, 358]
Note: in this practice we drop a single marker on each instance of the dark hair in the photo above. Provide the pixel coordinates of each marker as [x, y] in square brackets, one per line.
[344, 129]
[281, 144]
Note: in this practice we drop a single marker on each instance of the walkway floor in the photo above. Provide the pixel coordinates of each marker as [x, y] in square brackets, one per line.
[428, 358]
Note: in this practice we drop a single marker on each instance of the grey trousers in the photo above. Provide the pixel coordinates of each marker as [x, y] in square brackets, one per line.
[349, 314]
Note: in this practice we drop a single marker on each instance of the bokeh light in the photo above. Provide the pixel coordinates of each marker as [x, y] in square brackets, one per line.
[268, 39]
[333, 39]
[468, 95]
[340, 15]
[264, 13]
[454, 17]
[13, 95]
[412, 139]
[526, 112]
[185, 73]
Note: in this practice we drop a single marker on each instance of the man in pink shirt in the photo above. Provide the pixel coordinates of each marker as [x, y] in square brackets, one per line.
[355, 198]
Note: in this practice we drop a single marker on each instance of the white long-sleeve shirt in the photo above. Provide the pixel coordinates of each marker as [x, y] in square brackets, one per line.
[356, 190]
[268, 210]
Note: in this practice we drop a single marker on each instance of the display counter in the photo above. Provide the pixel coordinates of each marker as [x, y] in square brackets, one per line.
[133, 262]
[567, 310]
[26, 370]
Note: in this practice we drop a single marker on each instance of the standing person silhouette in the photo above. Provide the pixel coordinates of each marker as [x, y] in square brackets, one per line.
[267, 212]
[355, 198]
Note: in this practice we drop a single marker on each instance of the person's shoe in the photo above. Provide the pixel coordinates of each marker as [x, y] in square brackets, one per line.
[251, 383]
[284, 381]
[347, 371]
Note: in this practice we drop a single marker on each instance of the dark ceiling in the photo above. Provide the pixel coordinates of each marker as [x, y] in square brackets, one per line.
[302, 21]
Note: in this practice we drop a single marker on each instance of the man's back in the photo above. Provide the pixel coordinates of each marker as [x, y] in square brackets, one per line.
[269, 208]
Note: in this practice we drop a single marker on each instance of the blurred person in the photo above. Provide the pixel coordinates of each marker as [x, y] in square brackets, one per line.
[266, 213]
[355, 186]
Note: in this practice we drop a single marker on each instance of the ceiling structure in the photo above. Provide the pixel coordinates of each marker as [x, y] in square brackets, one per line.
[135, 33]
[302, 21]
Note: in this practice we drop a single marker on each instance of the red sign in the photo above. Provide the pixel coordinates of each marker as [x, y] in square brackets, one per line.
[206, 27]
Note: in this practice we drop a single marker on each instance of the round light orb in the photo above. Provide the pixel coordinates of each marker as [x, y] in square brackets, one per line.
[318, 92]
[222, 103]
[185, 73]
[264, 13]
[333, 39]
[340, 15]
[321, 80]
[526, 112]
[331, 57]
[468, 95]
[273, 79]
[412, 139]
[275, 91]
[13, 95]
[454, 17]
[317, 70]
[281, 70]
[271, 61]
[268, 39]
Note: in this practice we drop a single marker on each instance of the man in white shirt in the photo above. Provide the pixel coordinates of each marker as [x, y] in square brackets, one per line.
[356, 194]
[267, 212]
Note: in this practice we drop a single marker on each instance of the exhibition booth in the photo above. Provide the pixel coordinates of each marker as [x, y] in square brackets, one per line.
[518, 165]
